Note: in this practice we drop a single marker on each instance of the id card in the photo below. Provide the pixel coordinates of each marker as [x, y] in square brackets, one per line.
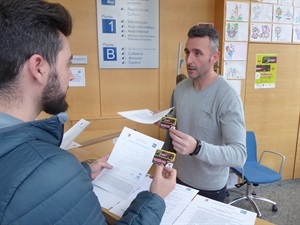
[167, 122]
[164, 157]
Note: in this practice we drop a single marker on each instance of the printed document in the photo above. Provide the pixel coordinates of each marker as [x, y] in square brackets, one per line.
[176, 201]
[207, 211]
[144, 115]
[131, 159]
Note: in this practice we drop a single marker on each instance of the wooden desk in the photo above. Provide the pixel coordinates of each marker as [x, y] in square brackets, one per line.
[103, 148]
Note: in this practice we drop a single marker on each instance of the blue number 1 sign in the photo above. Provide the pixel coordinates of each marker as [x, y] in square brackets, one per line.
[109, 26]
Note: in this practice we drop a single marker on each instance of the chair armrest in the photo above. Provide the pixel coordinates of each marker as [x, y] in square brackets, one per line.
[275, 153]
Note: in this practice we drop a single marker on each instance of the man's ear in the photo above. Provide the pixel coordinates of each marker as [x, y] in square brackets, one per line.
[39, 68]
[215, 57]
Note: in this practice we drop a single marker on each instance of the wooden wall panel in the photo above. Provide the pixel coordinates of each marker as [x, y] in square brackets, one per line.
[176, 17]
[274, 113]
[129, 89]
[84, 101]
[297, 155]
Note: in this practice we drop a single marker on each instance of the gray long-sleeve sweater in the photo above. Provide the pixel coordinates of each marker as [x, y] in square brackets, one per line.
[214, 116]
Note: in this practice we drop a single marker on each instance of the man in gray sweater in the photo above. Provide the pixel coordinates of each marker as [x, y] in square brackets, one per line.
[210, 134]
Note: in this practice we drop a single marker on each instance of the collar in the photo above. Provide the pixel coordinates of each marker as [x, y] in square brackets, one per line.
[7, 120]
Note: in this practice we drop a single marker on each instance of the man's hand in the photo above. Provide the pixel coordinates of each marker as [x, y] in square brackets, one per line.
[182, 143]
[98, 165]
[164, 180]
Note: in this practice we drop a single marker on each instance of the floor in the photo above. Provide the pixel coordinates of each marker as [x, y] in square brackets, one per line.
[285, 193]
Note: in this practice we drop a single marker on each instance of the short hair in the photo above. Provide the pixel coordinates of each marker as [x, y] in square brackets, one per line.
[29, 27]
[206, 31]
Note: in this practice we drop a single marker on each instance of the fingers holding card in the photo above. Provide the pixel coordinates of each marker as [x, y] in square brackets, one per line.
[164, 157]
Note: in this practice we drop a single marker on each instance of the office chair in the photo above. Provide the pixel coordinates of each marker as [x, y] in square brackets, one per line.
[254, 173]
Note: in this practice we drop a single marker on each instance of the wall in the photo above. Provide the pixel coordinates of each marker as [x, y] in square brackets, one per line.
[272, 113]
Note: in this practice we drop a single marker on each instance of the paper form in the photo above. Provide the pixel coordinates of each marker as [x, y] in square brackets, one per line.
[176, 201]
[131, 159]
[121, 207]
[72, 133]
[144, 115]
[107, 200]
[207, 211]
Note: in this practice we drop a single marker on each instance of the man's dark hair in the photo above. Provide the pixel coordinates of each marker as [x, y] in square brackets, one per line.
[206, 31]
[29, 27]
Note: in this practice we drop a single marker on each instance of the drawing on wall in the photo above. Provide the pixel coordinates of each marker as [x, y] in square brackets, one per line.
[282, 14]
[261, 12]
[237, 11]
[282, 33]
[296, 34]
[270, 1]
[260, 32]
[236, 31]
[285, 2]
[234, 69]
[296, 15]
[297, 3]
[235, 50]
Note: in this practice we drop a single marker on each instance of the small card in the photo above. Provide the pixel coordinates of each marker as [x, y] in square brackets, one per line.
[167, 122]
[164, 157]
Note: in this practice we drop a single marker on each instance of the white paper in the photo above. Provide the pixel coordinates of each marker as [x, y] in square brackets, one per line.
[107, 200]
[79, 77]
[131, 159]
[144, 115]
[72, 133]
[121, 207]
[207, 211]
[176, 201]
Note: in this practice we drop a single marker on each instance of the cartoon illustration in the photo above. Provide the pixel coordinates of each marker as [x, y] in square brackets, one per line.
[256, 10]
[265, 31]
[277, 32]
[260, 32]
[297, 33]
[278, 13]
[236, 14]
[229, 51]
[232, 30]
[255, 32]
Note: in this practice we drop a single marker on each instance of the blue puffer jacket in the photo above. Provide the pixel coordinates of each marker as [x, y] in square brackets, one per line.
[43, 184]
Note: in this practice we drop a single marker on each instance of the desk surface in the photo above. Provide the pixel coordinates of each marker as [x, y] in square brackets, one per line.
[102, 148]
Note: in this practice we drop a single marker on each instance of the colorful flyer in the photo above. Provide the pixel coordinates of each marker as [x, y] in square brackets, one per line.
[265, 71]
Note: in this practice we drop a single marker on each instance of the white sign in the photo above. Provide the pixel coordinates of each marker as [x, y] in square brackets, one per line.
[128, 33]
[79, 77]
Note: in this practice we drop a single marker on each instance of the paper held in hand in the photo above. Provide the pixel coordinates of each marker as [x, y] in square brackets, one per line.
[144, 116]
[131, 159]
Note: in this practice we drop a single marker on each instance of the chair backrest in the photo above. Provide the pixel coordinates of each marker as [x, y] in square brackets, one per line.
[251, 146]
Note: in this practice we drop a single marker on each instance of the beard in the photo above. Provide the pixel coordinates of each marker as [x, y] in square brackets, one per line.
[53, 99]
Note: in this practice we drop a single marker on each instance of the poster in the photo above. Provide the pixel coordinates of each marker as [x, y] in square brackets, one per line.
[128, 34]
[265, 71]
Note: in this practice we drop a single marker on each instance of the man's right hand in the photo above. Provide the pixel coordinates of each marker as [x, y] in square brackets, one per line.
[164, 180]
